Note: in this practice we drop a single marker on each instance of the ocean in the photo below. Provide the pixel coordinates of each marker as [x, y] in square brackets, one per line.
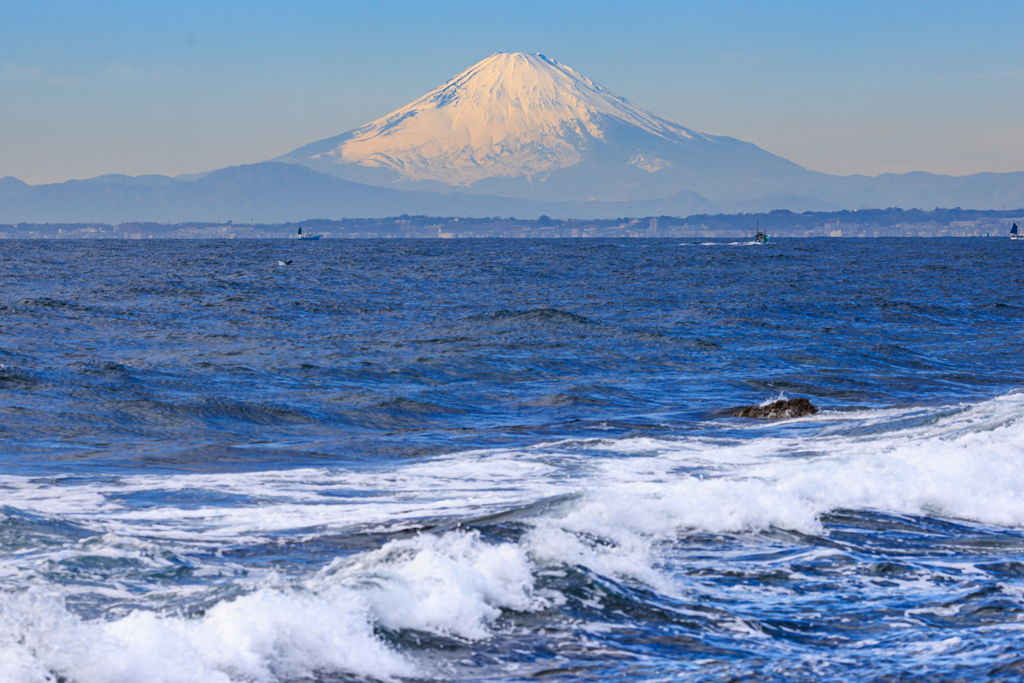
[511, 460]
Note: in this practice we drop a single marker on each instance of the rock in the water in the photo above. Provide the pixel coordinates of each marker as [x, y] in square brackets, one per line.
[779, 410]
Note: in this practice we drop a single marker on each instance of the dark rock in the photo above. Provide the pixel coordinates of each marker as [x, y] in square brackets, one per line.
[779, 410]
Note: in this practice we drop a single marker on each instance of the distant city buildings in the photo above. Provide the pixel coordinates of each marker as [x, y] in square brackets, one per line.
[836, 229]
[844, 224]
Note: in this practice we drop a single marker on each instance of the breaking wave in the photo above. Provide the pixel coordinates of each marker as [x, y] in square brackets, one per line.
[133, 578]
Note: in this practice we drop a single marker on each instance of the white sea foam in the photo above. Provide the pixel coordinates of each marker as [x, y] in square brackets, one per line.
[263, 636]
[453, 584]
[964, 464]
[629, 498]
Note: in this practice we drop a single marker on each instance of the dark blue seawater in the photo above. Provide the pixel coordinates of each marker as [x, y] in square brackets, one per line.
[510, 460]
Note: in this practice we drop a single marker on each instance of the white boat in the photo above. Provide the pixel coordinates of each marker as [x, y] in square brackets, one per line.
[307, 236]
[761, 237]
[1014, 235]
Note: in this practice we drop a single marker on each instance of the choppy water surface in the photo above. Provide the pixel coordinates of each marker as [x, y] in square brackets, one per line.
[510, 460]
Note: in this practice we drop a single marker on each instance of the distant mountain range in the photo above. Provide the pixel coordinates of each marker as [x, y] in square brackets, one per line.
[274, 192]
[514, 135]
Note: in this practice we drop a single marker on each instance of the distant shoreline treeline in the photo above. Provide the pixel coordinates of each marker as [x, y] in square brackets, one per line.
[892, 222]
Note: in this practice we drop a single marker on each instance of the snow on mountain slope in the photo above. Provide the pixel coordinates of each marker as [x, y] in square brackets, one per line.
[509, 115]
[526, 126]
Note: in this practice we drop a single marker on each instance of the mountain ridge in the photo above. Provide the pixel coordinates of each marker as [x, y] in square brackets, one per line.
[527, 126]
[603, 147]
[278, 192]
[515, 135]
[273, 191]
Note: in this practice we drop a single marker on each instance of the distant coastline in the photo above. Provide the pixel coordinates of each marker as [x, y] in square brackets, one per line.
[867, 223]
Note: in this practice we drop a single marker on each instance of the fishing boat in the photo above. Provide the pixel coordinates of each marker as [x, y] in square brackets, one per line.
[1014, 235]
[307, 236]
[761, 237]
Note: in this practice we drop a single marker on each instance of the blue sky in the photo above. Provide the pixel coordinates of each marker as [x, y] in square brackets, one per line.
[181, 87]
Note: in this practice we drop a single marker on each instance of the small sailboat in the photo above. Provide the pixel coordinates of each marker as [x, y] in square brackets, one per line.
[761, 237]
[307, 236]
[1014, 235]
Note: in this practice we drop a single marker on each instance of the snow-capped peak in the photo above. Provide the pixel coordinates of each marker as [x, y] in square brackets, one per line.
[511, 114]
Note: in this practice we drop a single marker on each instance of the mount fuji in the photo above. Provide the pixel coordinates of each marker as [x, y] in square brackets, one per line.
[515, 134]
[525, 126]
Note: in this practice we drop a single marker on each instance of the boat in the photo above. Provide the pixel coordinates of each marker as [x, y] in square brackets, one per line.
[761, 237]
[1014, 235]
[307, 236]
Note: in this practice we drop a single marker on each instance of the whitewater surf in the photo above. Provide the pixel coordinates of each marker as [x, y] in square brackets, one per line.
[534, 474]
